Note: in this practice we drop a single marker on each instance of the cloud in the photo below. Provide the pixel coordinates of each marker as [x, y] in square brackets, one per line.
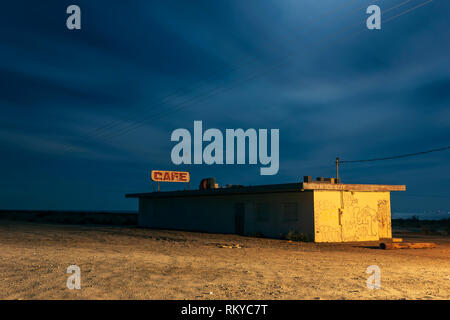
[114, 91]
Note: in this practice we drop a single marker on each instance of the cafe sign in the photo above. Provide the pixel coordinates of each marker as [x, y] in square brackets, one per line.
[170, 176]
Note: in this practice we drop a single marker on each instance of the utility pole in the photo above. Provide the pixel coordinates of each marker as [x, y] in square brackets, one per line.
[337, 168]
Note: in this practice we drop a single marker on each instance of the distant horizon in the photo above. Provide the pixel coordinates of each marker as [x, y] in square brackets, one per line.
[394, 215]
[420, 216]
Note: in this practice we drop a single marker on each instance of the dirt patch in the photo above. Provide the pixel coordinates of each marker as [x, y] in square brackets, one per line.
[137, 263]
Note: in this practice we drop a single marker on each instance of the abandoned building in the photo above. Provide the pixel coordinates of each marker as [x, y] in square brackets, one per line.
[323, 210]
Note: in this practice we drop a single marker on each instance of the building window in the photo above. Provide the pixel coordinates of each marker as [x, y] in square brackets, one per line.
[290, 213]
[262, 212]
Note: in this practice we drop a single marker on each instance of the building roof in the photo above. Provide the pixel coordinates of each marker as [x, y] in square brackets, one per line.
[271, 188]
[352, 187]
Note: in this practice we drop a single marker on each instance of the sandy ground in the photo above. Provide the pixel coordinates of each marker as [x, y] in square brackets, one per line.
[136, 263]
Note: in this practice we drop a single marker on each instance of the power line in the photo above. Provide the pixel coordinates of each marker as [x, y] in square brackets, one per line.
[105, 130]
[396, 157]
[203, 97]
[138, 113]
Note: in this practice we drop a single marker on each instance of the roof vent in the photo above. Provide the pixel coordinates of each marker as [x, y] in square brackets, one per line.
[208, 183]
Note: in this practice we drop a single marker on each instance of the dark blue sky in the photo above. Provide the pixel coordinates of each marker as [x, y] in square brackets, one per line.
[85, 115]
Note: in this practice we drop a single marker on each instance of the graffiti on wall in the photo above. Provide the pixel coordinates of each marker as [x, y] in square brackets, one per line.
[326, 220]
[350, 216]
[359, 224]
[384, 219]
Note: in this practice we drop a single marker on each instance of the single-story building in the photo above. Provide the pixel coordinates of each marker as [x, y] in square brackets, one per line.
[324, 211]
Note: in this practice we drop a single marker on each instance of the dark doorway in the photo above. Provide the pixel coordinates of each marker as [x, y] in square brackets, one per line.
[239, 218]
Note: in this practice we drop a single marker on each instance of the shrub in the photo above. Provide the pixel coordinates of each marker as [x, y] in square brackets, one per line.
[258, 235]
[296, 236]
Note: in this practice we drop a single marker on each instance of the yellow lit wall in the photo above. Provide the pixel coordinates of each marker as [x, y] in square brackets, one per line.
[341, 216]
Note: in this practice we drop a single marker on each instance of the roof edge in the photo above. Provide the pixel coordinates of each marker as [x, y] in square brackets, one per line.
[272, 188]
[352, 187]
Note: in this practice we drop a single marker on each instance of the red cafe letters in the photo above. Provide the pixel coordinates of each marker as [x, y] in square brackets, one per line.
[170, 176]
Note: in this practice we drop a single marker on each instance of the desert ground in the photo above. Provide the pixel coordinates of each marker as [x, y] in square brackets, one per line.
[137, 263]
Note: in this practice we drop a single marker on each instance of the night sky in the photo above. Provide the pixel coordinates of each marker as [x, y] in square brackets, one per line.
[85, 115]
